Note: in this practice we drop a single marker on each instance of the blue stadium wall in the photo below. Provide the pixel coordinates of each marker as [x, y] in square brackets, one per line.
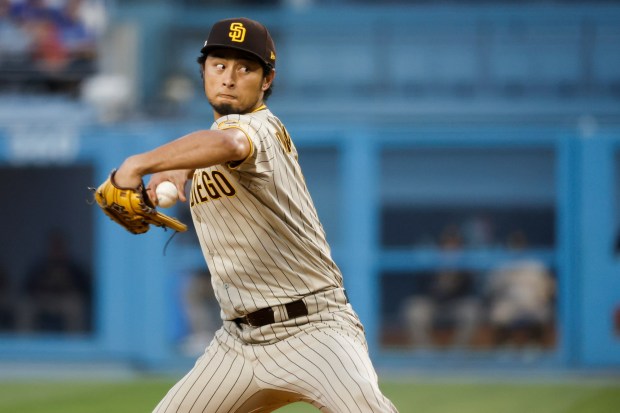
[134, 277]
[350, 168]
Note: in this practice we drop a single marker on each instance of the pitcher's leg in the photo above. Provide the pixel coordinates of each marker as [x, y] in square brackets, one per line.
[329, 368]
[220, 381]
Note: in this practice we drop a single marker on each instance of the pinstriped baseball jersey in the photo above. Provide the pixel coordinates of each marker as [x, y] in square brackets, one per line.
[257, 225]
[265, 247]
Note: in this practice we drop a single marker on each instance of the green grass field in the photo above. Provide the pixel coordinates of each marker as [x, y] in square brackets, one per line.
[416, 396]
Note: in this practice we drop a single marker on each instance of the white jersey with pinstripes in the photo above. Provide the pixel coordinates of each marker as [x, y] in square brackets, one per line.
[265, 247]
[257, 225]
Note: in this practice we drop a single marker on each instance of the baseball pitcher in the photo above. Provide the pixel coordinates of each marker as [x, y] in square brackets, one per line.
[289, 333]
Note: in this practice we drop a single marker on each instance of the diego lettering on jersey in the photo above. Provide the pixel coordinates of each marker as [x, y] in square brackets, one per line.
[210, 186]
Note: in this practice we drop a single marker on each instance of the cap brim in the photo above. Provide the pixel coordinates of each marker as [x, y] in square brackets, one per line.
[206, 49]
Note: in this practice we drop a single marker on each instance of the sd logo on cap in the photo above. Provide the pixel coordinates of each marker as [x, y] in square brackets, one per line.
[237, 32]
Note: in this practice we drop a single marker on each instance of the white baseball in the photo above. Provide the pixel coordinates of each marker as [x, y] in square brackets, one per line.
[167, 194]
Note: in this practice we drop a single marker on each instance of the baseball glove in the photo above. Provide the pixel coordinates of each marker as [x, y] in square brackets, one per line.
[131, 208]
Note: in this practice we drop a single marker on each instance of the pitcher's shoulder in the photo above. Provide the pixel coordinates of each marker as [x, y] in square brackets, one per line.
[252, 119]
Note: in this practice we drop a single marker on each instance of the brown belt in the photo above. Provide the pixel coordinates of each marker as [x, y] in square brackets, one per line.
[265, 315]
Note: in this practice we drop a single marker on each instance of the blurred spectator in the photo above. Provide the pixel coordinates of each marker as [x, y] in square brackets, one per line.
[7, 309]
[46, 46]
[448, 302]
[521, 297]
[57, 292]
[76, 37]
[49, 53]
[38, 22]
[202, 312]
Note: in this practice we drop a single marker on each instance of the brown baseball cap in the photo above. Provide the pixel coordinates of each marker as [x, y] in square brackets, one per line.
[242, 34]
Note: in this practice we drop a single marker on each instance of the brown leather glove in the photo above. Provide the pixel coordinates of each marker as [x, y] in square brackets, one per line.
[131, 208]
